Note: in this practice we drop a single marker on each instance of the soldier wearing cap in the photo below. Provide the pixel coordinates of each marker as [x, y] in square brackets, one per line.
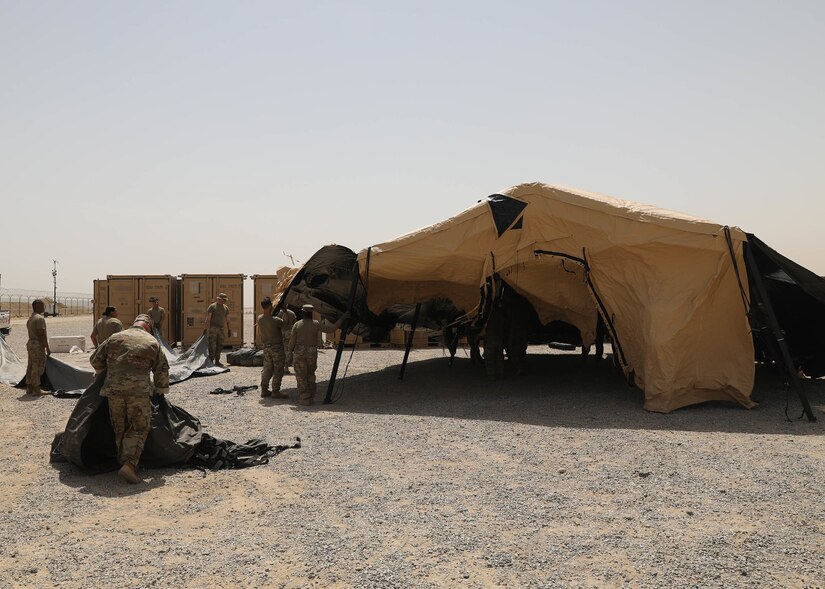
[216, 324]
[271, 330]
[157, 313]
[107, 325]
[128, 357]
[304, 341]
[37, 348]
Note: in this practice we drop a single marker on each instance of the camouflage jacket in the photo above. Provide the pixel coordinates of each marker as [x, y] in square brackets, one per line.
[128, 357]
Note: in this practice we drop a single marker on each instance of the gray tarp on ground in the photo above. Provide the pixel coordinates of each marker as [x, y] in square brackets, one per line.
[89, 441]
[58, 374]
[72, 381]
[193, 362]
[12, 368]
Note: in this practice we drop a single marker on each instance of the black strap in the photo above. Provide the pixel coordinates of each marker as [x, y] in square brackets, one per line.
[217, 454]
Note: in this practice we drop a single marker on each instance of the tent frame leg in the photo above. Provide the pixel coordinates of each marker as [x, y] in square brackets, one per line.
[409, 341]
[763, 303]
[345, 329]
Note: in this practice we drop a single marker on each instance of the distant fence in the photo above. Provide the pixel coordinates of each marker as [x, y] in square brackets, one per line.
[21, 305]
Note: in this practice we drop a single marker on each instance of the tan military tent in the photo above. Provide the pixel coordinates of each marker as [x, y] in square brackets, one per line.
[668, 285]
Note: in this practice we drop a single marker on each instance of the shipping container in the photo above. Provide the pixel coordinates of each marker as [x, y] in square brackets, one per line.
[100, 289]
[130, 294]
[123, 294]
[197, 292]
[263, 285]
[164, 287]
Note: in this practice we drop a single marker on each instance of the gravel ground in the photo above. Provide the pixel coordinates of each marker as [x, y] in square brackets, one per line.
[555, 479]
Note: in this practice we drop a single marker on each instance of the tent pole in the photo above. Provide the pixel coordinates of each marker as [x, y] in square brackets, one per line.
[764, 305]
[344, 331]
[409, 341]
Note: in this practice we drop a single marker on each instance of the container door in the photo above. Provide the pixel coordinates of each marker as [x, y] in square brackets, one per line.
[232, 286]
[195, 297]
[159, 286]
[264, 286]
[101, 295]
[123, 295]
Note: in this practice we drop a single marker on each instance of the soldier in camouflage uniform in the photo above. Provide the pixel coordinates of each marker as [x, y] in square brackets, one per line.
[106, 326]
[128, 357]
[271, 331]
[289, 319]
[37, 348]
[217, 319]
[304, 342]
[157, 313]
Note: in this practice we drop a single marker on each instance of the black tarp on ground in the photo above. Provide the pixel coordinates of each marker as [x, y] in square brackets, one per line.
[89, 441]
[175, 439]
[798, 299]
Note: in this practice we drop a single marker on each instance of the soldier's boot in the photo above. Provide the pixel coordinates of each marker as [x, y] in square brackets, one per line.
[36, 391]
[29, 389]
[129, 473]
[279, 395]
[264, 390]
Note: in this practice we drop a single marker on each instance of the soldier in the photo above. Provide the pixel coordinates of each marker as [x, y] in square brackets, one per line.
[288, 317]
[304, 341]
[107, 325]
[37, 348]
[217, 318]
[157, 313]
[272, 337]
[128, 357]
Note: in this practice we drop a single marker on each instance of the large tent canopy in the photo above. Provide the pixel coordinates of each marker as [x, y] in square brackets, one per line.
[669, 286]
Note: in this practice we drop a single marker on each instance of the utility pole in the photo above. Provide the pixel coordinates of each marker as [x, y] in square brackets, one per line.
[54, 301]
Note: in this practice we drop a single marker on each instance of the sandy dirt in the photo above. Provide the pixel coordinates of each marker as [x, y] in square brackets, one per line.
[558, 478]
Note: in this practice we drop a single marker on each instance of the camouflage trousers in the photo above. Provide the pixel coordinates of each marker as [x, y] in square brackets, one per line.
[216, 336]
[304, 362]
[494, 358]
[131, 417]
[288, 361]
[37, 363]
[274, 360]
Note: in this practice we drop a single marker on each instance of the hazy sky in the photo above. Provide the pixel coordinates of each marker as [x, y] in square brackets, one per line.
[172, 137]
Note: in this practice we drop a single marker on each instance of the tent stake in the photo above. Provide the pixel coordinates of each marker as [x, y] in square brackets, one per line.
[409, 341]
[345, 328]
[763, 303]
